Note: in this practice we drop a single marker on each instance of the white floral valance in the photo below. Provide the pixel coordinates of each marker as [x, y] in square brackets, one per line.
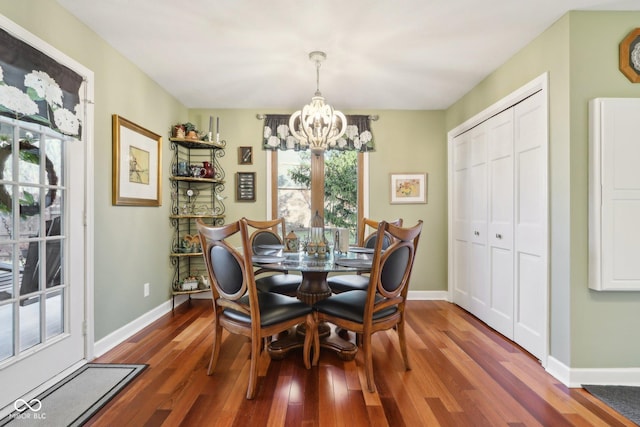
[36, 88]
[276, 135]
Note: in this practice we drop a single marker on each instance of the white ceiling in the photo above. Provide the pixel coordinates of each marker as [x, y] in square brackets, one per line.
[381, 54]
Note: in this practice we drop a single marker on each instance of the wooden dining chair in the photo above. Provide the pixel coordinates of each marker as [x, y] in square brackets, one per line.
[382, 305]
[359, 281]
[271, 232]
[237, 304]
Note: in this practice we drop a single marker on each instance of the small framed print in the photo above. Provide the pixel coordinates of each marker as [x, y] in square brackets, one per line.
[245, 186]
[245, 155]
[408, 188]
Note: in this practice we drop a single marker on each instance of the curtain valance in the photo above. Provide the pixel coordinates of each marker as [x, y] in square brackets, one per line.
[36, 88]
[358, 136]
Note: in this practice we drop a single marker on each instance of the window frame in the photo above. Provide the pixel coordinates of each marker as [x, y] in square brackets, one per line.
[317, 181]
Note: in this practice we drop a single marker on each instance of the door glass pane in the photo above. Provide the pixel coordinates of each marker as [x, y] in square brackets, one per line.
[53, 161]
[29, 322]
[55, 313]
[6, 331]
[6, 270]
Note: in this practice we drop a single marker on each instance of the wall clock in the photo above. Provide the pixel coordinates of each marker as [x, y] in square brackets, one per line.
[630, 56]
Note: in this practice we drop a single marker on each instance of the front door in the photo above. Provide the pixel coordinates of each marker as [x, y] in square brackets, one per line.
[42, 264]
[44, 225]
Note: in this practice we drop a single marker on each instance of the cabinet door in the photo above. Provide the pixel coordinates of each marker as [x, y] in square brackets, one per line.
[614, 200]
[530, 225]
[479, 286]
[460, 221]
[500, 222]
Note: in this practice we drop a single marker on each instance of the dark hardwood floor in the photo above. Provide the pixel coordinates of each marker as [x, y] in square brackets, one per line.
[464, 374]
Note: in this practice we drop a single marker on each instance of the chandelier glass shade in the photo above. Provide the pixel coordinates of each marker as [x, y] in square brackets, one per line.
[317, 124]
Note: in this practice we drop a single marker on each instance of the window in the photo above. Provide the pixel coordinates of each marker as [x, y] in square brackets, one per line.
[296, 174]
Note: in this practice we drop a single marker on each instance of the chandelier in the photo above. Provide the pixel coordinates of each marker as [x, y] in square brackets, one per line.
[317, 124]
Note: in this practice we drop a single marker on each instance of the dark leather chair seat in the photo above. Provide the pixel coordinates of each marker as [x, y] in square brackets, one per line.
[274, 308]
[286, 284]
[348, 282]
[350, 305]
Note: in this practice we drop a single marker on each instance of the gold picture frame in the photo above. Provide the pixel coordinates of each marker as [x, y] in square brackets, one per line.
[136, 164]
[408, 188]
[630, 56]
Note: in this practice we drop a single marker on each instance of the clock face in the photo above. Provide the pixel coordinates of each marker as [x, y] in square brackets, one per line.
[635, 56]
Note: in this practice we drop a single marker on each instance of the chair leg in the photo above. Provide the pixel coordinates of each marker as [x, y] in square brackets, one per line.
[256, 344]
[403, 344]
[368, 361]
[316, 340]
[310, 336]
[215, 351]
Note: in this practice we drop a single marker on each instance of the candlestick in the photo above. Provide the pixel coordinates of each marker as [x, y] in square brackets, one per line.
[217, 129]
[210, 125]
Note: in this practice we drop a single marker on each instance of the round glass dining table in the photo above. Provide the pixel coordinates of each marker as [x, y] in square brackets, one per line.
[314, 287]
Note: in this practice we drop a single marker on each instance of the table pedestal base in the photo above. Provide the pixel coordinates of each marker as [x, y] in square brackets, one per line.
[313, 288]
[346, 350]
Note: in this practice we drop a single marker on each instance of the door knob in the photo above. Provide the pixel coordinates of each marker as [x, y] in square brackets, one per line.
[499, 236]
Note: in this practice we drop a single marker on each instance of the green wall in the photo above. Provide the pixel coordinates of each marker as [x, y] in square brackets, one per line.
[131, 244]
[603, 324]
[580, 52]
[406, 142]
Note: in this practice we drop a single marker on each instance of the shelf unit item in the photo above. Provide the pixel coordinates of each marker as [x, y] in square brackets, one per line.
[194, 194]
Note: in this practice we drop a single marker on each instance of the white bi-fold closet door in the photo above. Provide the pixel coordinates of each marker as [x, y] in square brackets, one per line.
[498, 222]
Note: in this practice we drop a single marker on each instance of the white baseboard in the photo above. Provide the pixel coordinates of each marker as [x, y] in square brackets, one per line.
[116, 337]
[576, 377]
[428, 295]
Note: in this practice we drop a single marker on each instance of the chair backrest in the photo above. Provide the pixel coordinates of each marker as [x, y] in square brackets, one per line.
[265, 232]
[370, 240]
[230, 271]
[391, 268]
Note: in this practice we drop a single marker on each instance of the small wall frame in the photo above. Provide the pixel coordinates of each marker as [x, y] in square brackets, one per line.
[408, 188]
[245, 155]
[245, 186]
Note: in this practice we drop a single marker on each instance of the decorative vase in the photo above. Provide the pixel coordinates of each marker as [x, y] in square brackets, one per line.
[208, 170]
[178, 131]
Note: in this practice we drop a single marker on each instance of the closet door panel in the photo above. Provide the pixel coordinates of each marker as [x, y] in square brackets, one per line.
[460, 222]
[530, 225]
[500, 222]
[478, 280]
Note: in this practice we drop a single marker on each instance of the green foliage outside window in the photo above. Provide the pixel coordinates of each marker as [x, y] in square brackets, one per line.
[340, 186]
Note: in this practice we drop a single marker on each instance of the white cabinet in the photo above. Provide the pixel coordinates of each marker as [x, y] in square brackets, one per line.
[614, 194]
[498, 222]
